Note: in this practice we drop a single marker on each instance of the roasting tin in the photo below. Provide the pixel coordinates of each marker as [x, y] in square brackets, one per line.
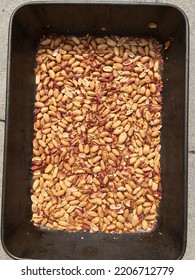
[22, 240]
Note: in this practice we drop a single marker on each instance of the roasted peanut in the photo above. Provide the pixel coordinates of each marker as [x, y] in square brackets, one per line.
[97, 121]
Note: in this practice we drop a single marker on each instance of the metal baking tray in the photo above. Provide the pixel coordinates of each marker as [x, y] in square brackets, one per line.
[28, 23]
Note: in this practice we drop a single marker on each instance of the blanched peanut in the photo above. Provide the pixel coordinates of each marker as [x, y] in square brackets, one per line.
[97, 121]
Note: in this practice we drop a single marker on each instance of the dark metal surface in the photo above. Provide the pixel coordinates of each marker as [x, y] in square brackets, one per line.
[20, 239]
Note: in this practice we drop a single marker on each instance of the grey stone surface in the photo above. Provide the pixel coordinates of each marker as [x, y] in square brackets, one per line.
[3, 255]
[188, 6]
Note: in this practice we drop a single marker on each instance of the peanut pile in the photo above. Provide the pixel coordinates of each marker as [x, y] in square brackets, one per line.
[96, 146]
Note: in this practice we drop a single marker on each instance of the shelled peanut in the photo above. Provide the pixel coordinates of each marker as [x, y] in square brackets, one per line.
[97, 121]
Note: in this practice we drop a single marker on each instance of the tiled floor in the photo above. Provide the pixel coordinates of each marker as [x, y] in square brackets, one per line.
[188, 6]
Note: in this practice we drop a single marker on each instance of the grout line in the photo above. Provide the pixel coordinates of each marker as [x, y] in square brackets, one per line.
[2, 121]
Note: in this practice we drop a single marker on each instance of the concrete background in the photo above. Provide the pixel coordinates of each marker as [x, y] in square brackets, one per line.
[188, 6]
